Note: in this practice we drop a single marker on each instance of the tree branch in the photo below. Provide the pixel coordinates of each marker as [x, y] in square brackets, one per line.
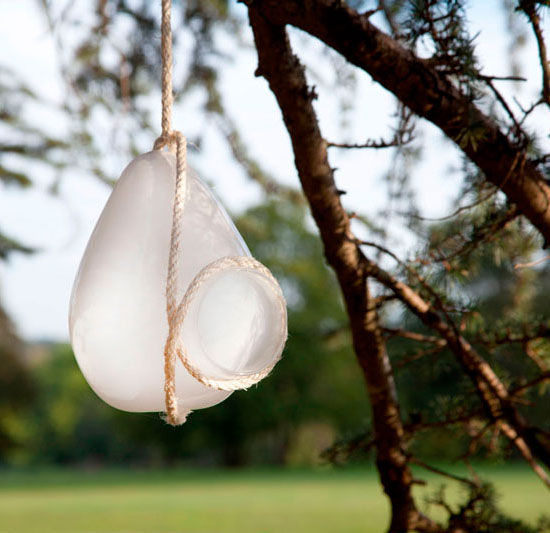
[399, 139]
[427, 92]
[530, 9]
[414, 336]
[443, 473]
[495, 396]
[525, 451]
[287, 81]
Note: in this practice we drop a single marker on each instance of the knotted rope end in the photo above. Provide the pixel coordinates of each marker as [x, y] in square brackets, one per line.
[178, 418]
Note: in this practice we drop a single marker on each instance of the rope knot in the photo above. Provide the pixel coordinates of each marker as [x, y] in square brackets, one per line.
[171, 140]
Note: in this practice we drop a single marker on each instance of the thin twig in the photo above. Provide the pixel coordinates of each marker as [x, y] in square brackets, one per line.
[413, 335]
[438, 302]
[501, 78]
[484, 234]
[398, 140]
[523, 388]
[530, 9]
[478, 201]
[418, 355]
[459, 210]
[532, 263]
[462, 419]
[531, 333]
[506, 107]
[476, 439]
[436, 470]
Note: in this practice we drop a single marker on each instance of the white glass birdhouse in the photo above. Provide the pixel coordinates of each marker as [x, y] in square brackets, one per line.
[235, 324]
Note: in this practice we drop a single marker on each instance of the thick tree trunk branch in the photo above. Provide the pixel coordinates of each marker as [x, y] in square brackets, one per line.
[429, 93]
[287, 81]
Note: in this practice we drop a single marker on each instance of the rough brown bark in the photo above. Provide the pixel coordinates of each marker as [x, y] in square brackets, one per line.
[429, 93]
[287, 81]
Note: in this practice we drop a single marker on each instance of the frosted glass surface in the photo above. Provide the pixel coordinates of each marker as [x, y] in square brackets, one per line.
[117, 316]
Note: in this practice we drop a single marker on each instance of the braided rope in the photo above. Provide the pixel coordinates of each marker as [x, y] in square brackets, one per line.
[176, 313]
[166, 52]
[242, 381]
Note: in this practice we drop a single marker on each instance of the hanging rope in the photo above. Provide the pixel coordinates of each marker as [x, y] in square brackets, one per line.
[176, 142]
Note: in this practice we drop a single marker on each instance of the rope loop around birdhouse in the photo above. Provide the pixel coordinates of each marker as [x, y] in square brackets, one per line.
[174, 348]
[223, 264]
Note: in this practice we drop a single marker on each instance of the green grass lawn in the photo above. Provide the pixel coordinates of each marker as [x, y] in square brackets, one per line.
[222, 501]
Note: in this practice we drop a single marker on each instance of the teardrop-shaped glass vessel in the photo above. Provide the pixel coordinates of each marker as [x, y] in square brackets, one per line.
[117, 316]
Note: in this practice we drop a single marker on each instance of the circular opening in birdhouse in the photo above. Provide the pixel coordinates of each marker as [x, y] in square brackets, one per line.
[235, 325]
